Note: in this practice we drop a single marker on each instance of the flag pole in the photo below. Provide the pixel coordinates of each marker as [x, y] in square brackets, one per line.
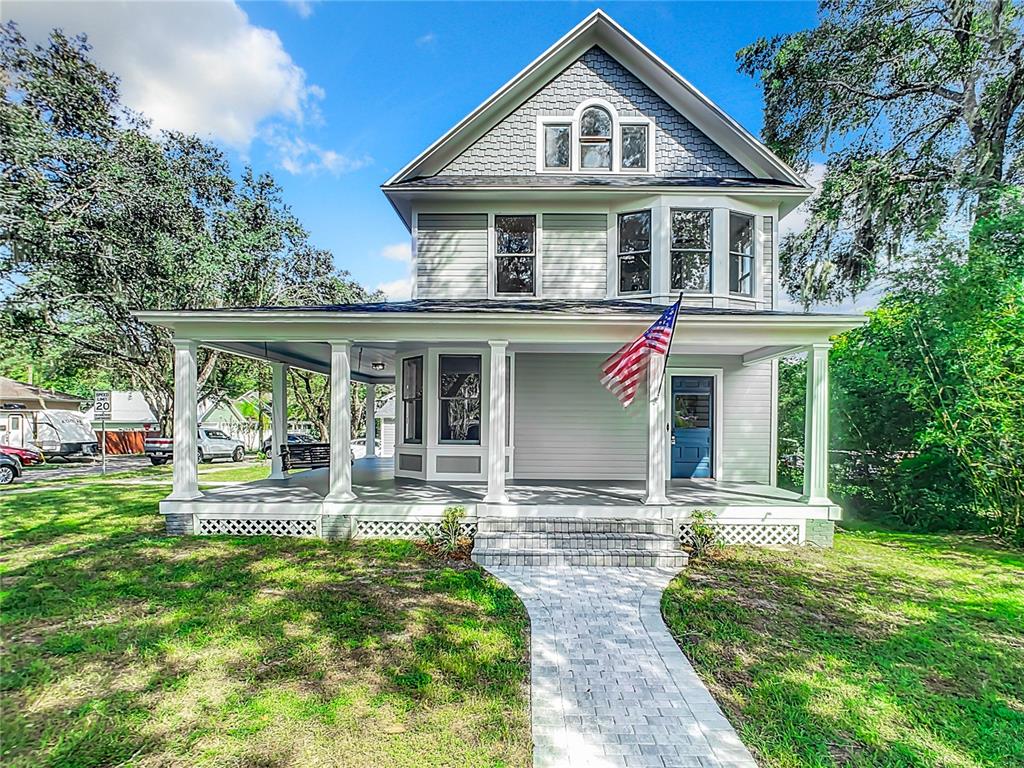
[671, 336]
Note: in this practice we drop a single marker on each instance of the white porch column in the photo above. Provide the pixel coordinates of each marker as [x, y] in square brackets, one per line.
[496, 426]
[371, 419]
[278, 418]
[186, 425]
[816, 426]
[340, 488]
[657, 434]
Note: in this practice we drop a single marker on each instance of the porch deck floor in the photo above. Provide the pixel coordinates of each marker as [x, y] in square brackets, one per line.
[373, 482]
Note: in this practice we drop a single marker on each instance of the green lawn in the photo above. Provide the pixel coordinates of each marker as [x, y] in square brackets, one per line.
[123, 647]
[220, 472]
[891, 650]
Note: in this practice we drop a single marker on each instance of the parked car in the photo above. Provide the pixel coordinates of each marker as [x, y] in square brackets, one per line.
[10, 468]
[293, 439]
[26, 456]
[213, 444]
[359, 447]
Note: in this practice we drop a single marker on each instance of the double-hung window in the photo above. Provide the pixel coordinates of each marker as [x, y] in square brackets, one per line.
[741, 254]
[515, 253]
[458, 394]
[595, 139]
[691, 250]
[412, 400]
[635, 252]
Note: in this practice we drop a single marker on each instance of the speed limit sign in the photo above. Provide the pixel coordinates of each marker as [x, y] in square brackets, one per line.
[101, 409]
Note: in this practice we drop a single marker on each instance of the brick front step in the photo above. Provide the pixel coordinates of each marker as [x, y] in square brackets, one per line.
[620, 558]
[504, 541]
[650, 542]
[572, 525]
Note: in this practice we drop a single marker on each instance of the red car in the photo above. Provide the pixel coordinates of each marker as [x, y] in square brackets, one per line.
[26, 456]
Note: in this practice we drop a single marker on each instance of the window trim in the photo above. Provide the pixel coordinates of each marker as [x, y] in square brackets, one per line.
[573, 121]
[422, 399]
[479, 398]
[711, 251]
[753, 255]
[634, 123]
[619, 253]
[535, 254]
[542, 160]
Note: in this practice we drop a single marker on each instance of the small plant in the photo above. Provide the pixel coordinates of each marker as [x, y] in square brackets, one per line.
[703, 532]
[449, 531]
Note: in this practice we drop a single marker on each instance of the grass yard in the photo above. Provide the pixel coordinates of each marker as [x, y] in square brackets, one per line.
[123, 647]
[891, 650]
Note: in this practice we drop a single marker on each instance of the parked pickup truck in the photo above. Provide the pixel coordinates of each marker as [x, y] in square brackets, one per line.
[213, 444]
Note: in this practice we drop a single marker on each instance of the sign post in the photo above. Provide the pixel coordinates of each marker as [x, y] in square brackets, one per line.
[102, 413]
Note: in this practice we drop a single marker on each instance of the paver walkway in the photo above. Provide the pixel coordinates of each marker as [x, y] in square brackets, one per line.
[610, 687]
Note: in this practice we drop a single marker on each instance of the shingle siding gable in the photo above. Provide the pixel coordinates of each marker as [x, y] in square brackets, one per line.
[681, 149]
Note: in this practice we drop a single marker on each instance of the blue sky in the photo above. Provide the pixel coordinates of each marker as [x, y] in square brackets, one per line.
[334, 97]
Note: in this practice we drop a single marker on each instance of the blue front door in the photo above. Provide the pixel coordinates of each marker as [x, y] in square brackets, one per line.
[692, 416]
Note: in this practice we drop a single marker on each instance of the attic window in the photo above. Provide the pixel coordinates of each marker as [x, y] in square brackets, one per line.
[557, 146]
[595, 139]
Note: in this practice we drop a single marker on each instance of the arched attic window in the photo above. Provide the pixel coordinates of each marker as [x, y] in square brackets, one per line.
[595, 139]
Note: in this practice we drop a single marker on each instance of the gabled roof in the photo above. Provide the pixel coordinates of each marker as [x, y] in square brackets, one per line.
[601, 30]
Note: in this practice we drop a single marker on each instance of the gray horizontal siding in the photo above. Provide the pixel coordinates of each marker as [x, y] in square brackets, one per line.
[569, 427]
[747, 423]
[575, 255]
[451, 255]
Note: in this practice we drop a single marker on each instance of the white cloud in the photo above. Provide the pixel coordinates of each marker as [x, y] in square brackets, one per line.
[302, 7]
[298, 156]
[199, 67]
[397, 252]
[400, 289]
[427, 40]
[797, 219]
[397, 290]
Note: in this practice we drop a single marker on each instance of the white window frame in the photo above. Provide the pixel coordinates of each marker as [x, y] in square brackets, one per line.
[755, 256]
[651, 251]
[493, 256]
[573, 121]
[711, 254]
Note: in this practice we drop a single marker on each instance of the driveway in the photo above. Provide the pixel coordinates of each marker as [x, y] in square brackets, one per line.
[609, 686]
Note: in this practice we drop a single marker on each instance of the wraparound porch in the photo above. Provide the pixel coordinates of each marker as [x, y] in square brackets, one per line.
[386, 505]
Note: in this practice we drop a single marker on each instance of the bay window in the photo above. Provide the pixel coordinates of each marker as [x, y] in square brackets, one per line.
[412, 400]
[458, 394]
[691, 250]
[635, 252]
[516, 253]
[741, 254]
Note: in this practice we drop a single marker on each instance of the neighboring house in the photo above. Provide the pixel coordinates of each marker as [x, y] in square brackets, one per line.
[50, 420]
[549, 227]
[386, 417]
[131, 420]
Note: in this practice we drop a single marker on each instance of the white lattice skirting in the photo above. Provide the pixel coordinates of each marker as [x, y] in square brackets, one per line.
[260, 527]
[404, 529]
[747, 533]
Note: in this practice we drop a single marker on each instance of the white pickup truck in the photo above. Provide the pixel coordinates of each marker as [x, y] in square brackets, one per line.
[213, 444]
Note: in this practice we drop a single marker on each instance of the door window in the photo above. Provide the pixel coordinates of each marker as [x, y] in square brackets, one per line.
[692, 411]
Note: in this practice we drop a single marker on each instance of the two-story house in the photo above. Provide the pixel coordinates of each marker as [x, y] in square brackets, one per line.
[550, 226]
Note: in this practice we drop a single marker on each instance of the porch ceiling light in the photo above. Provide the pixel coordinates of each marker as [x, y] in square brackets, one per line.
[377, 365]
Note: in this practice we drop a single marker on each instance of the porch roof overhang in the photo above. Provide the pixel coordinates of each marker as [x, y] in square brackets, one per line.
[299, 336]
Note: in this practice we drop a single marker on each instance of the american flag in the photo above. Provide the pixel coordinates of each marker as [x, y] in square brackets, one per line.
[623, 371]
